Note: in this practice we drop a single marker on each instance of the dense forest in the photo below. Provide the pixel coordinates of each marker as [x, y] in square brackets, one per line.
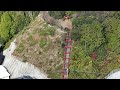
[97, 44]
[12, 22]
[96, 47]
[95, 35]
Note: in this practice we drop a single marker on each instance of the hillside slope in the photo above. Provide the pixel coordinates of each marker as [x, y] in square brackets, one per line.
[40, 45]
[95, 47]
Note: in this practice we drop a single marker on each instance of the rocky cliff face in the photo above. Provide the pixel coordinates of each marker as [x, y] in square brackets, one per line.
[17, 68]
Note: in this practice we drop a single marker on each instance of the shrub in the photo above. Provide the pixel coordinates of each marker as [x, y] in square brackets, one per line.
[32, 42]
[42, 42]
[57, 14]
[20, 48]
[47, 31]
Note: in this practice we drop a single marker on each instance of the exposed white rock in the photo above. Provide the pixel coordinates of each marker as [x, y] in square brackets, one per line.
[17, 68]
[114, 74]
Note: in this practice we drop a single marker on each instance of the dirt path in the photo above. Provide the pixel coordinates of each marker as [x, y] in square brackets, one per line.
[57, 22]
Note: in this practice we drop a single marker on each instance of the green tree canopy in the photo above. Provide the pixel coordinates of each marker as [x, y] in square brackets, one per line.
[5, 26]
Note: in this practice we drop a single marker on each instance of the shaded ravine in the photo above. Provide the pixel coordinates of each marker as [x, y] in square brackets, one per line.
[17, 68]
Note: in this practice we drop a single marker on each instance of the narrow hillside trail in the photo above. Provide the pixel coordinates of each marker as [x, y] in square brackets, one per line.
[67, 50]
[62, 24]
[17, 68]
